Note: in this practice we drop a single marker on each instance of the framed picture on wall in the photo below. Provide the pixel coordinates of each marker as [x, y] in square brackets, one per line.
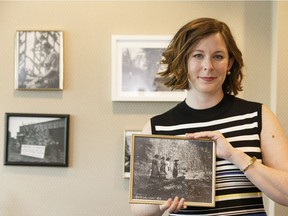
[36, 139]
[39, 60]
[135, 67]
[127, 151]
[163, 167]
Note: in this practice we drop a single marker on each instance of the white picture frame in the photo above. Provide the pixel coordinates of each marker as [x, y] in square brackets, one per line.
[135, 66]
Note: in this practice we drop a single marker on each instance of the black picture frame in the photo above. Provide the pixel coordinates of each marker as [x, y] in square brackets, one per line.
[189, 172]
[36, 139]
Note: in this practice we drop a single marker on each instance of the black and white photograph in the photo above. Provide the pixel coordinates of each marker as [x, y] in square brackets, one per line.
[136, 67]
[36, 139]
[163, 167]
[127, 150]
[39, 60]
[139, 69]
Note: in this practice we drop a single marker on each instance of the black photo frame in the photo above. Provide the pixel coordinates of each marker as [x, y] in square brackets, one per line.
[36, 139]
[191, 172]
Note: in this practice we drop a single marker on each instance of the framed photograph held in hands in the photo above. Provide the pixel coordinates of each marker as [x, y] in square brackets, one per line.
[163, 167]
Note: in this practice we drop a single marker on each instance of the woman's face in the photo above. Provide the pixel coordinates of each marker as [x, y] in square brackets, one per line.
[208, 65]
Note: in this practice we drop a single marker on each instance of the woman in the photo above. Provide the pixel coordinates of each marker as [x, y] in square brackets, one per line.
[175, 169]
[251, 146]
[155, 168]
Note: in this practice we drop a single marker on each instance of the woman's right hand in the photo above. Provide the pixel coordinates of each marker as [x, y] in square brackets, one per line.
[173, 205]
[155, 210]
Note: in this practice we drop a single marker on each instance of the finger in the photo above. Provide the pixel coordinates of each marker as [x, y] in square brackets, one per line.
[166, 205]
[206, 134]
[174, 205]
[197, 135]
[190, 135]
[181, 204]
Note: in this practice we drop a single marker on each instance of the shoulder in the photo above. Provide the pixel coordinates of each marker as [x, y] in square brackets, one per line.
[174, 111]
[241, 101]
[274, 143]
[170, 117]
[240, 106]
[147, 128]
[269, 119]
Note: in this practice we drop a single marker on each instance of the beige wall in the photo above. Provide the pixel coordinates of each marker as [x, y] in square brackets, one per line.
[93, 183]
[282, 76]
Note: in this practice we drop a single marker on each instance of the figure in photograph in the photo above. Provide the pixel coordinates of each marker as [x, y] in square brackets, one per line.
[163, 172]
[155, 168]
[167, 165]
[251, 147]
[50, 66]
[175, 169]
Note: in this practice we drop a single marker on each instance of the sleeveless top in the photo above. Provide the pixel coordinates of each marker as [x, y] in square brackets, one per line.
[240, 122]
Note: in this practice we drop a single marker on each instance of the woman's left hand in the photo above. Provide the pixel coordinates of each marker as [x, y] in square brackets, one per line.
[224, 149]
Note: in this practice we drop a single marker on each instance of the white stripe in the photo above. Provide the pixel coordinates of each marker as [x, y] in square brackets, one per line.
[249, 149]
[205, 124]
[222, 162]
[239, 128]
[234, 184]
[243, 138]
[238, 196]
[221, 168]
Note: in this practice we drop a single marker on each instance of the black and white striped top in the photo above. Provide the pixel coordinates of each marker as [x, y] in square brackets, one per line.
[240, 122]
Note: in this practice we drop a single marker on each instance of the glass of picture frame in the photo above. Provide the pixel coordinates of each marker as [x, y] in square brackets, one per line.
[36, 139]
[39, 60]
[136, 66]
[163, 167]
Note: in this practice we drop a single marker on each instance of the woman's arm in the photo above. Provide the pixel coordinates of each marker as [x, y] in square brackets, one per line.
[145, 210]
[271, 177]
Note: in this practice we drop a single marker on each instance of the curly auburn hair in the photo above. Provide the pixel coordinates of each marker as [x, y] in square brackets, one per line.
[181, 46]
